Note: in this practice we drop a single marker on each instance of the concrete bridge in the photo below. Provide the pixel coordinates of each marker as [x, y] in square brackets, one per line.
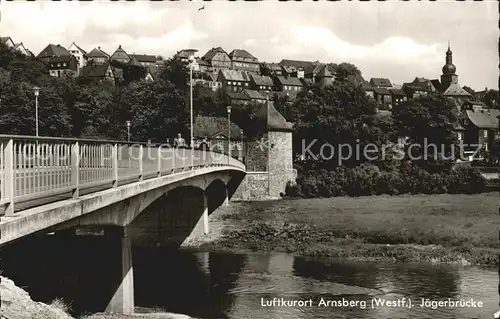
[101, 189]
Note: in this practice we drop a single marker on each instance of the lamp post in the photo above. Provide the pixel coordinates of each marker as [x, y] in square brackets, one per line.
[228, 133]
[36, 90]
[128, 131]
[128, 139]
[191, 53]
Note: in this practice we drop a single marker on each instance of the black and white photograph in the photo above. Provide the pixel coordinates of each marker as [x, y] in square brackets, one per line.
[249, 159]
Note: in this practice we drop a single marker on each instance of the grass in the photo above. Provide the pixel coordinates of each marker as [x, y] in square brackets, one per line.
[452, 227]
[60, 304]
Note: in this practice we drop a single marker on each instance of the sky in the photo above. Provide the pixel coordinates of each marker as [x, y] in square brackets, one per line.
[396, 40]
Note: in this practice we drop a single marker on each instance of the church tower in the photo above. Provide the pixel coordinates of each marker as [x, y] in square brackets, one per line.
[449, 76]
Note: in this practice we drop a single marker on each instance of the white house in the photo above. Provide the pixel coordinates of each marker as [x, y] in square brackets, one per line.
[80, 55]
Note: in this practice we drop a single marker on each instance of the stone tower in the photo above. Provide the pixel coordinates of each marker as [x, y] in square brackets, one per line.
[324, 77]
[449, 76]
[269, 158]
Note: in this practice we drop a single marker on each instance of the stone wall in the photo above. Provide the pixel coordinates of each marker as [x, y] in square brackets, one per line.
[256, 155]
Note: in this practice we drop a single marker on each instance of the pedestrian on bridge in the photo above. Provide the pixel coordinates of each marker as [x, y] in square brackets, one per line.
[179, 141]
[204, 145]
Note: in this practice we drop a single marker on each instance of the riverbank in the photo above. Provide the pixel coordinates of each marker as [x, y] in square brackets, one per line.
[17, 304]
[460, 229]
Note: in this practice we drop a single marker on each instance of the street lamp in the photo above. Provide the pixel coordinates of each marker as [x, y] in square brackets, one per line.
[128, 139]
[191, 53]
[36, 90]
[228, 132]
[128, 131]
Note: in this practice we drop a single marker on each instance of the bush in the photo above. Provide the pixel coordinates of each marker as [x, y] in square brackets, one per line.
[368, 179]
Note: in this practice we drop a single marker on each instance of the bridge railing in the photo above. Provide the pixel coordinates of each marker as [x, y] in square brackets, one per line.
[35, 168]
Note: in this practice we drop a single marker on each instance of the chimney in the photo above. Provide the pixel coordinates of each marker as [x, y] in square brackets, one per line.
[99, 48]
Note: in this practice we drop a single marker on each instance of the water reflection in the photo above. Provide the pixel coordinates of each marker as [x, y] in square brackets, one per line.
[210, 285]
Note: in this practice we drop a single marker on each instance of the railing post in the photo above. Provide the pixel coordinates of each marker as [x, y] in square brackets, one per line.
[158, 152]
[75, 169]
[9, 173]
[114, 159]
[141, 162]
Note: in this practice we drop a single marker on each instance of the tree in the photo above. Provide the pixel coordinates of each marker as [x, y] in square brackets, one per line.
[345, 72]
[157, 111]
[18, 111]
[130, 72]
[89, 113]
[491, 99]
[429, 120]
[176, 72]
[340, 114]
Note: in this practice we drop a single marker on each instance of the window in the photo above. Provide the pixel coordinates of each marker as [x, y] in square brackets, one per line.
[64, 64]
[228, 82]
[246, 83]
[485, 133]
[59, 64]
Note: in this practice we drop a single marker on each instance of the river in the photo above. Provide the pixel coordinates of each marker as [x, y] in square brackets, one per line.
[208, 285]
[211, 285]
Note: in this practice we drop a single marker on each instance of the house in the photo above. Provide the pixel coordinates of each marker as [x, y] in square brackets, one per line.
[120, 56]
[21, 48]
[98, 72]
[217, 131]
[261, 82]
[98, 56]
[319, 75]
[288, 85]
[480, 125]
[51, 51]
[238, 97]
[419, 87]
[7, 41]
[246, 96]
[382, 95]
[256, 96]
[271, 69]
[203, 66]
[145, 59]
[62, 66]
[79, 53]
[380, 83]
[209, 81]
[184, 54]
[398, 96]
[242, 60]
[296, 68]
[233, 80]
[218, 59]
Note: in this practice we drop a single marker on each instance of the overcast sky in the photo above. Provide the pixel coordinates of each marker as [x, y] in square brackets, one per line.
[398, 40]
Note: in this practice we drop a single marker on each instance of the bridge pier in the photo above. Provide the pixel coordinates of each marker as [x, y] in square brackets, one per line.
[226, 199]
[122, 300]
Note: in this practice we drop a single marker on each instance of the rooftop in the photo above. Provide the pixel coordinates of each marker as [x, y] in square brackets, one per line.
[271, 119]
[241, 54]
[289, 81]
[233, 75]
[262, 80]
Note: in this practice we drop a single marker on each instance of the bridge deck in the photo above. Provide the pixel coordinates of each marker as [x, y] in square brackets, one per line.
[33, 169]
